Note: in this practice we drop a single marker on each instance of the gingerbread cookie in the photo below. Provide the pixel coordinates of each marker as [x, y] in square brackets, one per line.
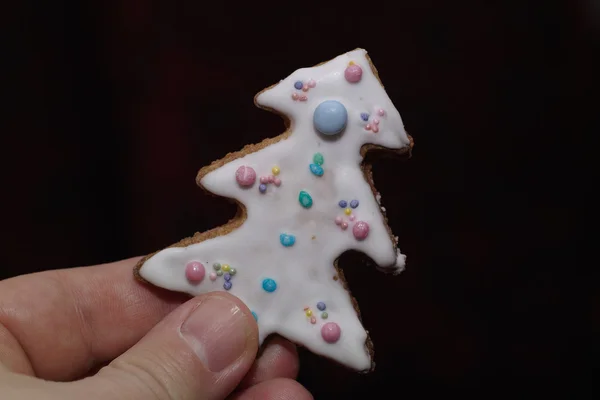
[305, 197]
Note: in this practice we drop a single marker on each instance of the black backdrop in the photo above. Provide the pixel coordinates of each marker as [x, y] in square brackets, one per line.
[116, 106]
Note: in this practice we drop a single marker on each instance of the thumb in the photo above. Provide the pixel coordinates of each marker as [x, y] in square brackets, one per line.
[202, 350]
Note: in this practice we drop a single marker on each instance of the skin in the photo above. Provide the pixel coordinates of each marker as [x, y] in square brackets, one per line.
[97, 333]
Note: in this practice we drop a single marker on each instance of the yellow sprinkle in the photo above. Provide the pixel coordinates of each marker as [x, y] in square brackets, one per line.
[308, 313]
[347, 211]
[351, 63]
[275, 170]
[226, 267]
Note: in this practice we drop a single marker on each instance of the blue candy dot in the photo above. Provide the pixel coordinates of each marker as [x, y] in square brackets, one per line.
[330, 117]
[255, 316]
[227, 285]
[287, 240]
[227, 277]
[364, 116]
[262, 188]
[354, 203]
[321, 306]
[298, 85]
[316, 169]
[343, 203]
[269, 285]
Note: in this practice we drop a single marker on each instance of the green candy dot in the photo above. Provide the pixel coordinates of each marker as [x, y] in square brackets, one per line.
[318, 159]
[217, 266]
[219, 273]
[324, 315]
[232, 271]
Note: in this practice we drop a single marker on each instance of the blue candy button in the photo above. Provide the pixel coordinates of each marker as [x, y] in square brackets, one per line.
[269, 285]
[330, 117]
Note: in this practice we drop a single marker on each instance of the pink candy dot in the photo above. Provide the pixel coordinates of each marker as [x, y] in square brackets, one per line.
[331, 332]
[277, 182]
[313, 320]
[380, 112]
[305, 88]
[264, 179]
[344, 225]
[375, 129]
[376, 121]
[311, 83]
[212, 276]
[194, 272]
[353, 73]
[360, 230]
[303, 98]
[271, 179]
[352, 218]
[294, 96]
[245, 175]
[338, 220]
[368, 127]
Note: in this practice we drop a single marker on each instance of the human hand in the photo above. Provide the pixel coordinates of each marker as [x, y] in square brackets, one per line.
[96, 333]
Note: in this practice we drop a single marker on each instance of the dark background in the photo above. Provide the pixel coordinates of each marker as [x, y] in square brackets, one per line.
[114, 107]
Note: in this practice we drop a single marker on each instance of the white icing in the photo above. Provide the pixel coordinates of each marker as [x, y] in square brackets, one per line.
[304, 272]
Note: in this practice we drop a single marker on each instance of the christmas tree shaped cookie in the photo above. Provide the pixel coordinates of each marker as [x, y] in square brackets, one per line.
[305, 197]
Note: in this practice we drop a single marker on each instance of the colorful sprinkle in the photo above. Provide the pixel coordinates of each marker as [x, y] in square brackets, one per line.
[364, 116]
[226, 267]
[269, 285]
[275, 170]
[324, 315]
[262, 188]
[354, 203]
[380, 112]
[303, 98]
[219, 273]
[216, 266]
[227, 285]
[368, 127]
[227, 276]
[294, 96]
[255, 316]
[264, 179]
[316, 169]
[311, 83]
[338, 220]
[330, 117]
[270, 179]
[331, 332]
[313, 320]
[347, 211]
[245, 176]
[308, 312]
[277, 182]
[305, 88]
[352, 218]
[212, 276]
[298, 85]
[321, 306]
[232, 271]
[344, 225]
[376, 121]
[287, 240]
[375, 129]
[360, 230]
[305, 199]
[353, 73]
[343, 203]
[194, 272]
[318, 159]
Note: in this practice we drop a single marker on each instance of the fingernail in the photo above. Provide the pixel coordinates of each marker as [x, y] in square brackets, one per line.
[218, 332]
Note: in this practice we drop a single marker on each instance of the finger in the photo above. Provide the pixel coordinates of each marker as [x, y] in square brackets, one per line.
[275, 389]
[59, 324]
[202, 350]
[278, 359]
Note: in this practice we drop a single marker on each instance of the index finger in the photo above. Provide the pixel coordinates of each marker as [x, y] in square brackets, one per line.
[58, 325]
